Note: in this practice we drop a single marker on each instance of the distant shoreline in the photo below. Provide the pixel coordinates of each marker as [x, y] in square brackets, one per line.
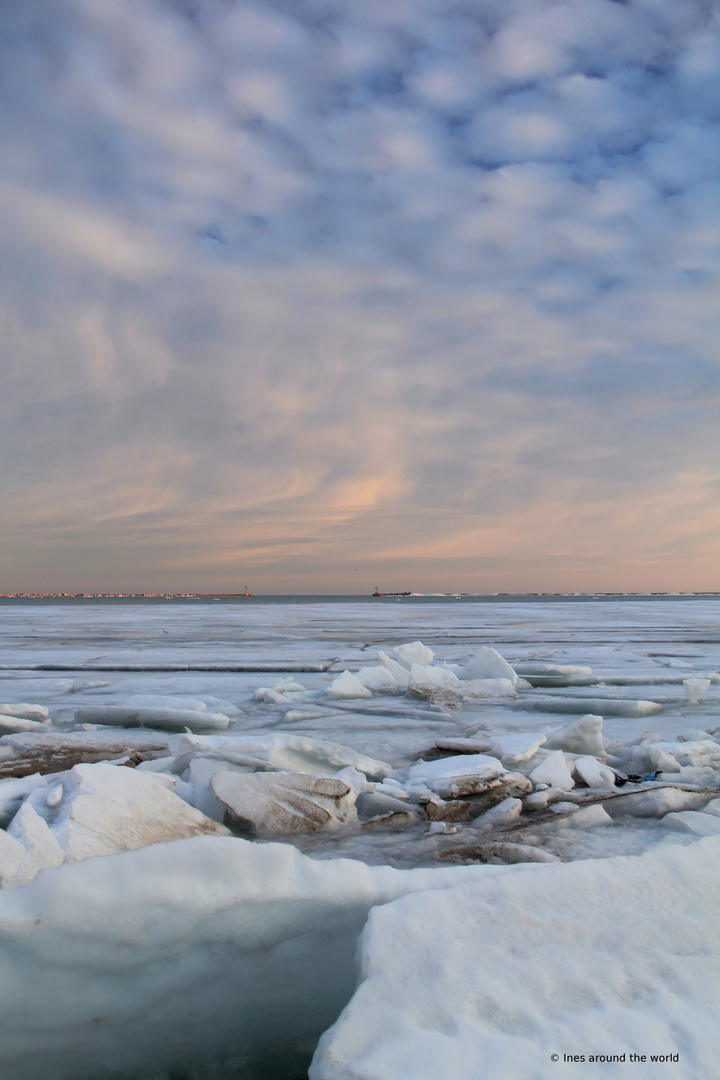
[404, 597]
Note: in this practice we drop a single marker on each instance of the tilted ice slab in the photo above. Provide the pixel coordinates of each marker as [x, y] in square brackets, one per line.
[142, 716]
[97, 809]
[12, 725]
[413, 653]
[346, 687]
[695, 688]
[464, 774]
[378, 678]
[583, 736]
[184, 953]
[399, 672]
[601, 706]
[442, 686]
[165, 701]
[530, 667]
[516, 747]
[275, 803]
[607, 956]
[292, 753]
[25, 711]
[487, 663]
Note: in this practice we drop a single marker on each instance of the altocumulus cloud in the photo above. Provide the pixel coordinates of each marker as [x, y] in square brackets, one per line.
[423, 287]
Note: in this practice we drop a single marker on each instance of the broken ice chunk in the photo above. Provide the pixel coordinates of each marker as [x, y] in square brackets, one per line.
[702, 752]
[346, 687]
[428, 772]
[13, 791]
[41, 847]
[593, 773]
[54, 796]
[373, 804]
[12, 854]
[25, 711]
[426, 675]
[475, 745]
[392, 787]
[503, 813]
[695, 688]
[487, 663]
[537, 800]
[585, 816]
[453, 691]
[693, 822]
[466, 774]
[662, 761]
[12, 725]
[289, 686]
[654, 803]
[286, 802]
[163, 719]
[413, 653]
[583, 736]
[607, 706]
[696, 735]
[377, 678]
[400, 674]
[270, 696]
[106, 809]
[358, 781]
[516, 747]
[291, 753]
[554, 770]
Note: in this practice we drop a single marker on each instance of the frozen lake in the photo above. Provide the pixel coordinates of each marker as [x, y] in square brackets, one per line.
[638, 649]
[227, 960]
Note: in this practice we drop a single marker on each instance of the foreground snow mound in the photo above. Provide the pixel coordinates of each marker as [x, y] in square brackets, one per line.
[603, 957]
[184, 956]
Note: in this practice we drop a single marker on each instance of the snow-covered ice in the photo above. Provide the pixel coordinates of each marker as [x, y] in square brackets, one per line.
[496, 976]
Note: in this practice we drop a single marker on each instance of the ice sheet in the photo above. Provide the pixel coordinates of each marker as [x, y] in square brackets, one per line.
[204, 1019]
[624, 641]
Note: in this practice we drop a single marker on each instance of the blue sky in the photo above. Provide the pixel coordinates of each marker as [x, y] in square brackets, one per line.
[321, 295]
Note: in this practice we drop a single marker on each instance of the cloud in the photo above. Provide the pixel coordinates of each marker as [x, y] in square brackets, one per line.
[397, 277]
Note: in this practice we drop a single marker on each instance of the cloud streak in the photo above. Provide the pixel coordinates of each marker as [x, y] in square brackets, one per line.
[423, 288]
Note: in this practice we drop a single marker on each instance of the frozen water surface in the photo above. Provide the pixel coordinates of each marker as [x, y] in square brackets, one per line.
[260, 671]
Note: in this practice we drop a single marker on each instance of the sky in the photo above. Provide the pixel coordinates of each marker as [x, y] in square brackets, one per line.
[314, 296]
